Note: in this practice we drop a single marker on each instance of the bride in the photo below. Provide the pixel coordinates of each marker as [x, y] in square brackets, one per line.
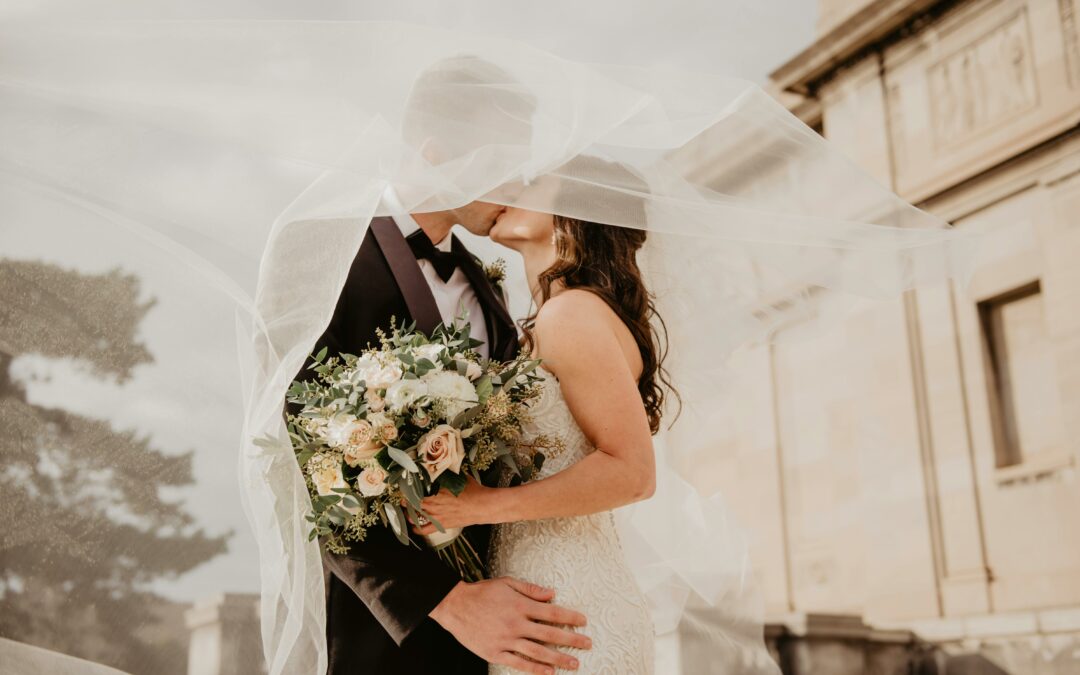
[603, 398]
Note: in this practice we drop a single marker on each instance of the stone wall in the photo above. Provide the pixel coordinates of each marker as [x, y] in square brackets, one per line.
[901, 469]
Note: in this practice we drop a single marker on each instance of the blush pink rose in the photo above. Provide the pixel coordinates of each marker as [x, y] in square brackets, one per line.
[441, 449]
[361, 446]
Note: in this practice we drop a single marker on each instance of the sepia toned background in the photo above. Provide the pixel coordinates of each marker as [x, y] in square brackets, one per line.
[909, 478]
[946, 539]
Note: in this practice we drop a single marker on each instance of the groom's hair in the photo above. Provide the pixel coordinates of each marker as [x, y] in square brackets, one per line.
[461, 103]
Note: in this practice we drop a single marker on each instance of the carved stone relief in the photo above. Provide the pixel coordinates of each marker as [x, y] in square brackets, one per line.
[1071, 38]
[990, 80]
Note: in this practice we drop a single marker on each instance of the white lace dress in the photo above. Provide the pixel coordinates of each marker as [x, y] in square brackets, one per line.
[581, 558]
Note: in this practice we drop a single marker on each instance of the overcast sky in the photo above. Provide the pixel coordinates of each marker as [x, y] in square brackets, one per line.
[741, 37]
[189, 329]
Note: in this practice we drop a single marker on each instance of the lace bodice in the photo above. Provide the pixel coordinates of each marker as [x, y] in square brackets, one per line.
[581, 558]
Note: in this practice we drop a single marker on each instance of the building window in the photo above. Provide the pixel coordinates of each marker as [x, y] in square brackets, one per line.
[1020, 374]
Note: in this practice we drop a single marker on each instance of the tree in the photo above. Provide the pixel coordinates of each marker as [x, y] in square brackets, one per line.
[85, 525]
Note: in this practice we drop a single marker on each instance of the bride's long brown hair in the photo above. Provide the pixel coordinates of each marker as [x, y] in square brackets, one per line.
[602, 259]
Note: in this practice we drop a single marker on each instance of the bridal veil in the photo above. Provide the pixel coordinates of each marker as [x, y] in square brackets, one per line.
[252, 154]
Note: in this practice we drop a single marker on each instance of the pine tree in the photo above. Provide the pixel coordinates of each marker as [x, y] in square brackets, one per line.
[85, 526]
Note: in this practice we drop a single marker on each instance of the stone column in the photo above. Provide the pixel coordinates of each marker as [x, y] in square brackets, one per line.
[225, 636]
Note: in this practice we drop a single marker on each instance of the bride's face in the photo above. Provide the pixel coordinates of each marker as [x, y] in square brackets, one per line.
[519, 226]
[516, 227]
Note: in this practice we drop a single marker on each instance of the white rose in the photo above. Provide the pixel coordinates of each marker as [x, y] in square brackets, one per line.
[372, 481]
[364, 367]
[456, 391]
[403, 393]
[376, 374]
[432, 353]
[441, 449]
[473, 371]
[339, 429]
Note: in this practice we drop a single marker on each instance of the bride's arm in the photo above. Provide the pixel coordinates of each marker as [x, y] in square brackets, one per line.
[576, 333]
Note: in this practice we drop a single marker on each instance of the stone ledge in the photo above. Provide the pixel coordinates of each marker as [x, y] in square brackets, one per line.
[1001, 625]
[844, 41]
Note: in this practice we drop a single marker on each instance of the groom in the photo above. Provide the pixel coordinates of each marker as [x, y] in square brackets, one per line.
[398, 610]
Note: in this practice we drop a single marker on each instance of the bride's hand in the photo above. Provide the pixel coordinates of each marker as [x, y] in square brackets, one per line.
[468, 508]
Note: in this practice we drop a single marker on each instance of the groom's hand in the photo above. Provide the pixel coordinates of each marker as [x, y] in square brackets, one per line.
[505, 620]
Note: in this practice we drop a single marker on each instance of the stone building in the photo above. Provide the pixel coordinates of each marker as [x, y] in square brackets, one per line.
[944, 537]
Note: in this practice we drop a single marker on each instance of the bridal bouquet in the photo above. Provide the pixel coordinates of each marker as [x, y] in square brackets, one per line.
[381, 430]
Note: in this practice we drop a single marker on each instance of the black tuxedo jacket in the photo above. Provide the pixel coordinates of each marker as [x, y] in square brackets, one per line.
[379, 595]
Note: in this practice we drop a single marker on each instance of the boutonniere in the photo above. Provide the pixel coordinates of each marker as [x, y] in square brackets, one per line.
[496, 273]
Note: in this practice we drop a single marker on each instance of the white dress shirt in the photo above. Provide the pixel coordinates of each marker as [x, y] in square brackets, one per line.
[454, 297]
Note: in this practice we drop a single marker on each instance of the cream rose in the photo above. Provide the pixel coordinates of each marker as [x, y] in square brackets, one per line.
[362, 445]
[441, 449]
[473, 371]
[327, 477]
[371, 482]
[383, 427]
[375, 402]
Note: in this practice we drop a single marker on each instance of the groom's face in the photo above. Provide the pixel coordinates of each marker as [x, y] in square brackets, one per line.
[478, 217]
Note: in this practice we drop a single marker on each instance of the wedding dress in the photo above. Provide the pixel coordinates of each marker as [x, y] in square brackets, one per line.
[581, 558]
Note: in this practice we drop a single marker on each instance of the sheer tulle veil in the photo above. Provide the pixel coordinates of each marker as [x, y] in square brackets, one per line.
[255, 153]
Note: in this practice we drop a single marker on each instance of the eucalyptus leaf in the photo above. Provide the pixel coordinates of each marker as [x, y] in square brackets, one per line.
[436, 523]
[466, 417]
[403, 459]
[335, 516]
[412, 512]
[304, 455]
[268, 442]
[454, 482]
[397, 521]
[484, 388]
[412, 496]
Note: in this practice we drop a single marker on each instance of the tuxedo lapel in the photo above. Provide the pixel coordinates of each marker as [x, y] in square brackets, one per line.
[502, 334]
[407, 273]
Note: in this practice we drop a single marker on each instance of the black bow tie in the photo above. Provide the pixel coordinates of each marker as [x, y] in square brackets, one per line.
[445, 262]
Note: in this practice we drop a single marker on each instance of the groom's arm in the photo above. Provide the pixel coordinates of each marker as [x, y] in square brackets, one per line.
[498, 619]
[399, 584]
